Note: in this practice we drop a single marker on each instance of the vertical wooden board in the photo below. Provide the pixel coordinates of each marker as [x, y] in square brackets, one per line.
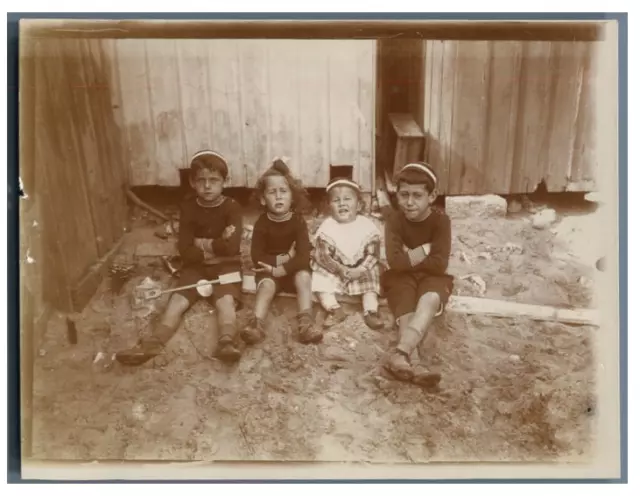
[226, 105]
[427, 102]
[365, 113]
[447, 107]
[136, 110]
[466, 169]
[418, 81]
[102, 195]
[162, 66]
[254, 64]
[584, 159]
[193, 75]
[78, 145]
[109, 132]
[120, 139]
[283, 94]
[110, 58]
[533, 117]
[68, 216]
[434, 149]
[314, 115]
[343, 101]
[55, 278]
[567, 84]
[85, 119]
[502, 116]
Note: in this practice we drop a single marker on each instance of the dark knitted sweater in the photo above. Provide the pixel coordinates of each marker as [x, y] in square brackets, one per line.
[272, 238]
[435, 229]
[197, 221]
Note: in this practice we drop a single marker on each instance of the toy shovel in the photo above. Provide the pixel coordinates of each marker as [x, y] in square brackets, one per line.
[232, 278]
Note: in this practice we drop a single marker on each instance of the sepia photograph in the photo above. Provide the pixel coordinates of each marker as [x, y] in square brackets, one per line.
[388, 245]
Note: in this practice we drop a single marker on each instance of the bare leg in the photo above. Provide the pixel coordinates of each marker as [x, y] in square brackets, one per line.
[254, 331]
[303, 289]
[176, 308]
[413, 330]
[150, 347]
[264, 296]
[426, 309]
[226, 314]
[307, 332]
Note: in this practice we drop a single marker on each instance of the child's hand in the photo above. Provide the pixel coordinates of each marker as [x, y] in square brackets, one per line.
[228, 232]
[269, 269]
[279, 272]
[405, 249]
[203, 244]
[357, 273]
[263, 268]
[292, 251]
[282, 259]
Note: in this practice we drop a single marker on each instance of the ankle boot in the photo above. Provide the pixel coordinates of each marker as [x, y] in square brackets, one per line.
[227, 349]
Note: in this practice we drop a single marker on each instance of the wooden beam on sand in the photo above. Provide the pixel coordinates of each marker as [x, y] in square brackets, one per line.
[492, 308]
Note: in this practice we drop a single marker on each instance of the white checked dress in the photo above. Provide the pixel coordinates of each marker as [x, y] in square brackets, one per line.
[353, 244]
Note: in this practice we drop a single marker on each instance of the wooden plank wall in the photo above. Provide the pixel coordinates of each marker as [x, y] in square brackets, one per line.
[251, 100]
[73, 164]
[503, 116]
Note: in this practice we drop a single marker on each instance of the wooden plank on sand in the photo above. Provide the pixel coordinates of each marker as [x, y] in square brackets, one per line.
[492, 308]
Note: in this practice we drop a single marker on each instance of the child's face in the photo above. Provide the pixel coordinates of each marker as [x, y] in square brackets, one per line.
[414, 200]
[277, 196]
[208, 184]
[343, 202]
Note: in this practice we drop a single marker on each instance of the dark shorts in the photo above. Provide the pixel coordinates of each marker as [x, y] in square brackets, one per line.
[286, 284]
[194, 273]
[403, 290]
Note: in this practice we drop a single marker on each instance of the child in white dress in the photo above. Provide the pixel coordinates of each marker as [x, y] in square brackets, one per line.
[346, 252]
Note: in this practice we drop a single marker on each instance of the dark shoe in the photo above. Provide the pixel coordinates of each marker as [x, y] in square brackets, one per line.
[398, 366]
[254, 332]
[141, 353]
[227, 351]
[425, 378]
[334, 317]
[373, 320]
[307, 331]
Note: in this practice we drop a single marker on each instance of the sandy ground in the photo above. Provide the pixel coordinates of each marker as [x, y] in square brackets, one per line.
[511, 389]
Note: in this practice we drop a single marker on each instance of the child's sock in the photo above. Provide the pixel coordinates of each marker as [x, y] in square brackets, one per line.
[410, 338]
[328, 301]
[163, 333]
[370, 302]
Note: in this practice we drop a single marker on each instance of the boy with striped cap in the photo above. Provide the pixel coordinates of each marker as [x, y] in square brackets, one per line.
[417, 286]
[209, 245]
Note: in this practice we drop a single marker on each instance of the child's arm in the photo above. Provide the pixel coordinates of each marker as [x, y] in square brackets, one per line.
[322, 255]
[258, 246]
[372, 254]
[432, 258]
[189, 252]
[437, 260]
[300, 260]
[229, 244]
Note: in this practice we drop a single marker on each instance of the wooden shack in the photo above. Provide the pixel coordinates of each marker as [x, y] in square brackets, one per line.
[498, 117]
[252, 100]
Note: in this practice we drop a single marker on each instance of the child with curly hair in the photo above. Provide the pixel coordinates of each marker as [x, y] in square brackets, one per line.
[280, 251]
